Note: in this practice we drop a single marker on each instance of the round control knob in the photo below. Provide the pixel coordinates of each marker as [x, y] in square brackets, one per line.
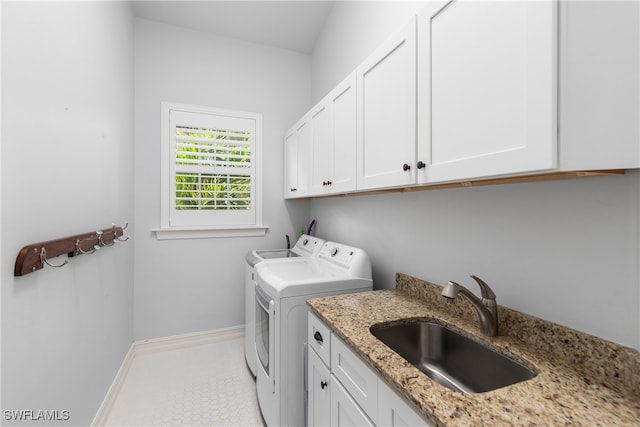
[305, 241]
[334, 251]
[406, 167]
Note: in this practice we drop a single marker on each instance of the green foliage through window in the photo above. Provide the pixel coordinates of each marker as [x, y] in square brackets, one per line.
[212, 169]
[206, 191]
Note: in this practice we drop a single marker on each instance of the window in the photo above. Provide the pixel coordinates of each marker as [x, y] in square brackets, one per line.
[211, 185]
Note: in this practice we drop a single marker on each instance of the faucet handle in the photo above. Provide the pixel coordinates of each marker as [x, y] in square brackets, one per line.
[488, 297]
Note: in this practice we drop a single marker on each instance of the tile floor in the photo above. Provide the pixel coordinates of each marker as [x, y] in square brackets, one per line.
[204, 385]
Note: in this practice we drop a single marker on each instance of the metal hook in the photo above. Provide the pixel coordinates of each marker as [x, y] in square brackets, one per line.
[43, 259]
[79, 249]
[101, 242]
[118, 239]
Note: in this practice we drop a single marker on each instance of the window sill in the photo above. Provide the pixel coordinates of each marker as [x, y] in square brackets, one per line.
[209, 233]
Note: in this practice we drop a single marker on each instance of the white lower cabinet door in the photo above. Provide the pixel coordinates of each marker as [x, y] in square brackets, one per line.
[360, 381]
[394, 411]
[345, 412]
[318, 384]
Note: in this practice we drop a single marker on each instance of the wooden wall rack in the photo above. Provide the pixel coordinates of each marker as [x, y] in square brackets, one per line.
[34, 256]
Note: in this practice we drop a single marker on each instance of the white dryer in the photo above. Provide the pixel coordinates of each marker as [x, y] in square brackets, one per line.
[306, 247]
[281, 322]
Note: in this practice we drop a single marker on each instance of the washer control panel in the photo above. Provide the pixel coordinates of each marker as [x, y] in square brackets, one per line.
[309, 245]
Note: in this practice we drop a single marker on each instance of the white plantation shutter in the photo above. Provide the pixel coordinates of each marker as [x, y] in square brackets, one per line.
[211, 160]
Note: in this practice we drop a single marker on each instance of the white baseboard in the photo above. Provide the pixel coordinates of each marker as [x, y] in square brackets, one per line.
[157, 345]
[116, 385]
[188, 340]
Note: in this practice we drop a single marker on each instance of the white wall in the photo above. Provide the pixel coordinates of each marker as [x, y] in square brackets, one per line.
[67, 147]
[566, 251]
[185, 286]
[351, 32]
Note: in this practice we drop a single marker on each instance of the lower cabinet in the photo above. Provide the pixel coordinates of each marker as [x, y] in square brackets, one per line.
[344, 391]
[394, 411]
[318, 388]
[345, 412]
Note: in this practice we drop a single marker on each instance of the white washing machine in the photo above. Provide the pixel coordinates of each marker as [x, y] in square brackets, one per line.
[281, 322]
[306, 247]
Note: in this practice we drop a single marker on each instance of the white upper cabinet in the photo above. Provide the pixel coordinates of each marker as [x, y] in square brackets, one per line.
[386, 111]
[290, 164]
[486, 89]
[321, 148]
[296, 160]
[333, 140]
[474, 89]
[343, 100]
[599, 85]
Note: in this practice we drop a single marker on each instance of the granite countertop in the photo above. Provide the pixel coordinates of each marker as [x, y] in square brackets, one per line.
[581, 380]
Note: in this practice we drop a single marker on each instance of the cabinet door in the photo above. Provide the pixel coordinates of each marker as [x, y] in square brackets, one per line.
[486, 88]
[303, 137]
[599, 86]
[318, 383]
[343, 101]
[360, 381]
[321, 143]
[290, 164]
[387, 112]
[345, 412]
[296, 157]
[394, 411]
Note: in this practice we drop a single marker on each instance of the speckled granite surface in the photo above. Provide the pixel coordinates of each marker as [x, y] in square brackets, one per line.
[581, 380]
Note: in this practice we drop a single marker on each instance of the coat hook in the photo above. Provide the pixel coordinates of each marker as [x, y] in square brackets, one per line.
[79, 249]
[119, 239]
[43, 259]
[101, 242]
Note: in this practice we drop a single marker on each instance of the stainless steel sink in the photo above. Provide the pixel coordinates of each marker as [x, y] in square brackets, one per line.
[449, 358]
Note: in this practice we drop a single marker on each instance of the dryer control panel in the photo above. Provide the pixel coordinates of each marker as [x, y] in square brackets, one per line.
[354, 260]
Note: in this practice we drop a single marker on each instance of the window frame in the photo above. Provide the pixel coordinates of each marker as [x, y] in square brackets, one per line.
[167, 187]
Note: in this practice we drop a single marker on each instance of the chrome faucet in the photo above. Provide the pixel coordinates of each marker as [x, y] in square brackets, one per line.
[486, 308]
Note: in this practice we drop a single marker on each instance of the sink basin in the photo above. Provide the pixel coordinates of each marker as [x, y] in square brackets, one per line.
[449, 358]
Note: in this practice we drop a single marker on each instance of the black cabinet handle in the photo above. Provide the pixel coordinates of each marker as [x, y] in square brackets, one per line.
[406, 167]
[323, 384]
[318, 337]
[421, 165]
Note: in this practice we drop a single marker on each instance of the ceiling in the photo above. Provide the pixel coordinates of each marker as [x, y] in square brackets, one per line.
[292, 25]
